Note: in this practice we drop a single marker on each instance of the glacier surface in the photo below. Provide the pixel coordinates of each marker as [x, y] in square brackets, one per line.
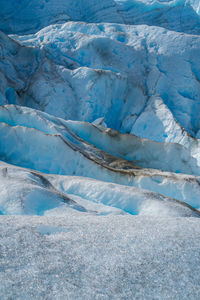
[23, 16]
[99, 149]
[85, 71]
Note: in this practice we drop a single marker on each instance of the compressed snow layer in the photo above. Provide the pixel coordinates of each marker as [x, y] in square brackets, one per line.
[89, 257]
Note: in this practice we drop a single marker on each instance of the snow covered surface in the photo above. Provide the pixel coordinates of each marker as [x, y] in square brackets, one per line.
[34, 193]
[112, 257]
[99, 149]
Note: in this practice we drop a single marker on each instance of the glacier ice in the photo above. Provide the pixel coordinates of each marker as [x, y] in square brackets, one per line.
[99, 149]
[111, 71]
[82, 149]
[34, 193]
[27, 17]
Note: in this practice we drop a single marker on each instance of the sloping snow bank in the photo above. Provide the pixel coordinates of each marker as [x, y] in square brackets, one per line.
[27, 192]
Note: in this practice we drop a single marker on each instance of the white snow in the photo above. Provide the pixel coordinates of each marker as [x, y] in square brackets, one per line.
[26, 192]
[112, 257]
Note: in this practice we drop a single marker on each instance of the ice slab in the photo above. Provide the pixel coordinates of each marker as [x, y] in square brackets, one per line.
[69, 148]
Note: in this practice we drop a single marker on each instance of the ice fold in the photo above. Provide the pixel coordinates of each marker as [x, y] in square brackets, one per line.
[82, 149]
[83, 72]
[28, 192]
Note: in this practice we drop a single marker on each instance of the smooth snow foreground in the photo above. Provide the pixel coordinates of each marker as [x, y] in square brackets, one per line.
[99, 149]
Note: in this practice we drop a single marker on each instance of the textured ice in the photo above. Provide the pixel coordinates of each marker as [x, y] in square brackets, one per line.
[25, 16]
[34, 193]
[144, 153]
[85, 71]
[81, 149]
[99, 149]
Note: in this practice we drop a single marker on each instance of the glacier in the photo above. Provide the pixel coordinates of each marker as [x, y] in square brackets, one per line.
[119, 64]
[99, 149]
[26, 17]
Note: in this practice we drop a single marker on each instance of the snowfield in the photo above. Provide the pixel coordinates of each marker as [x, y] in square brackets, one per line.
[86, 257]
[99, 149]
